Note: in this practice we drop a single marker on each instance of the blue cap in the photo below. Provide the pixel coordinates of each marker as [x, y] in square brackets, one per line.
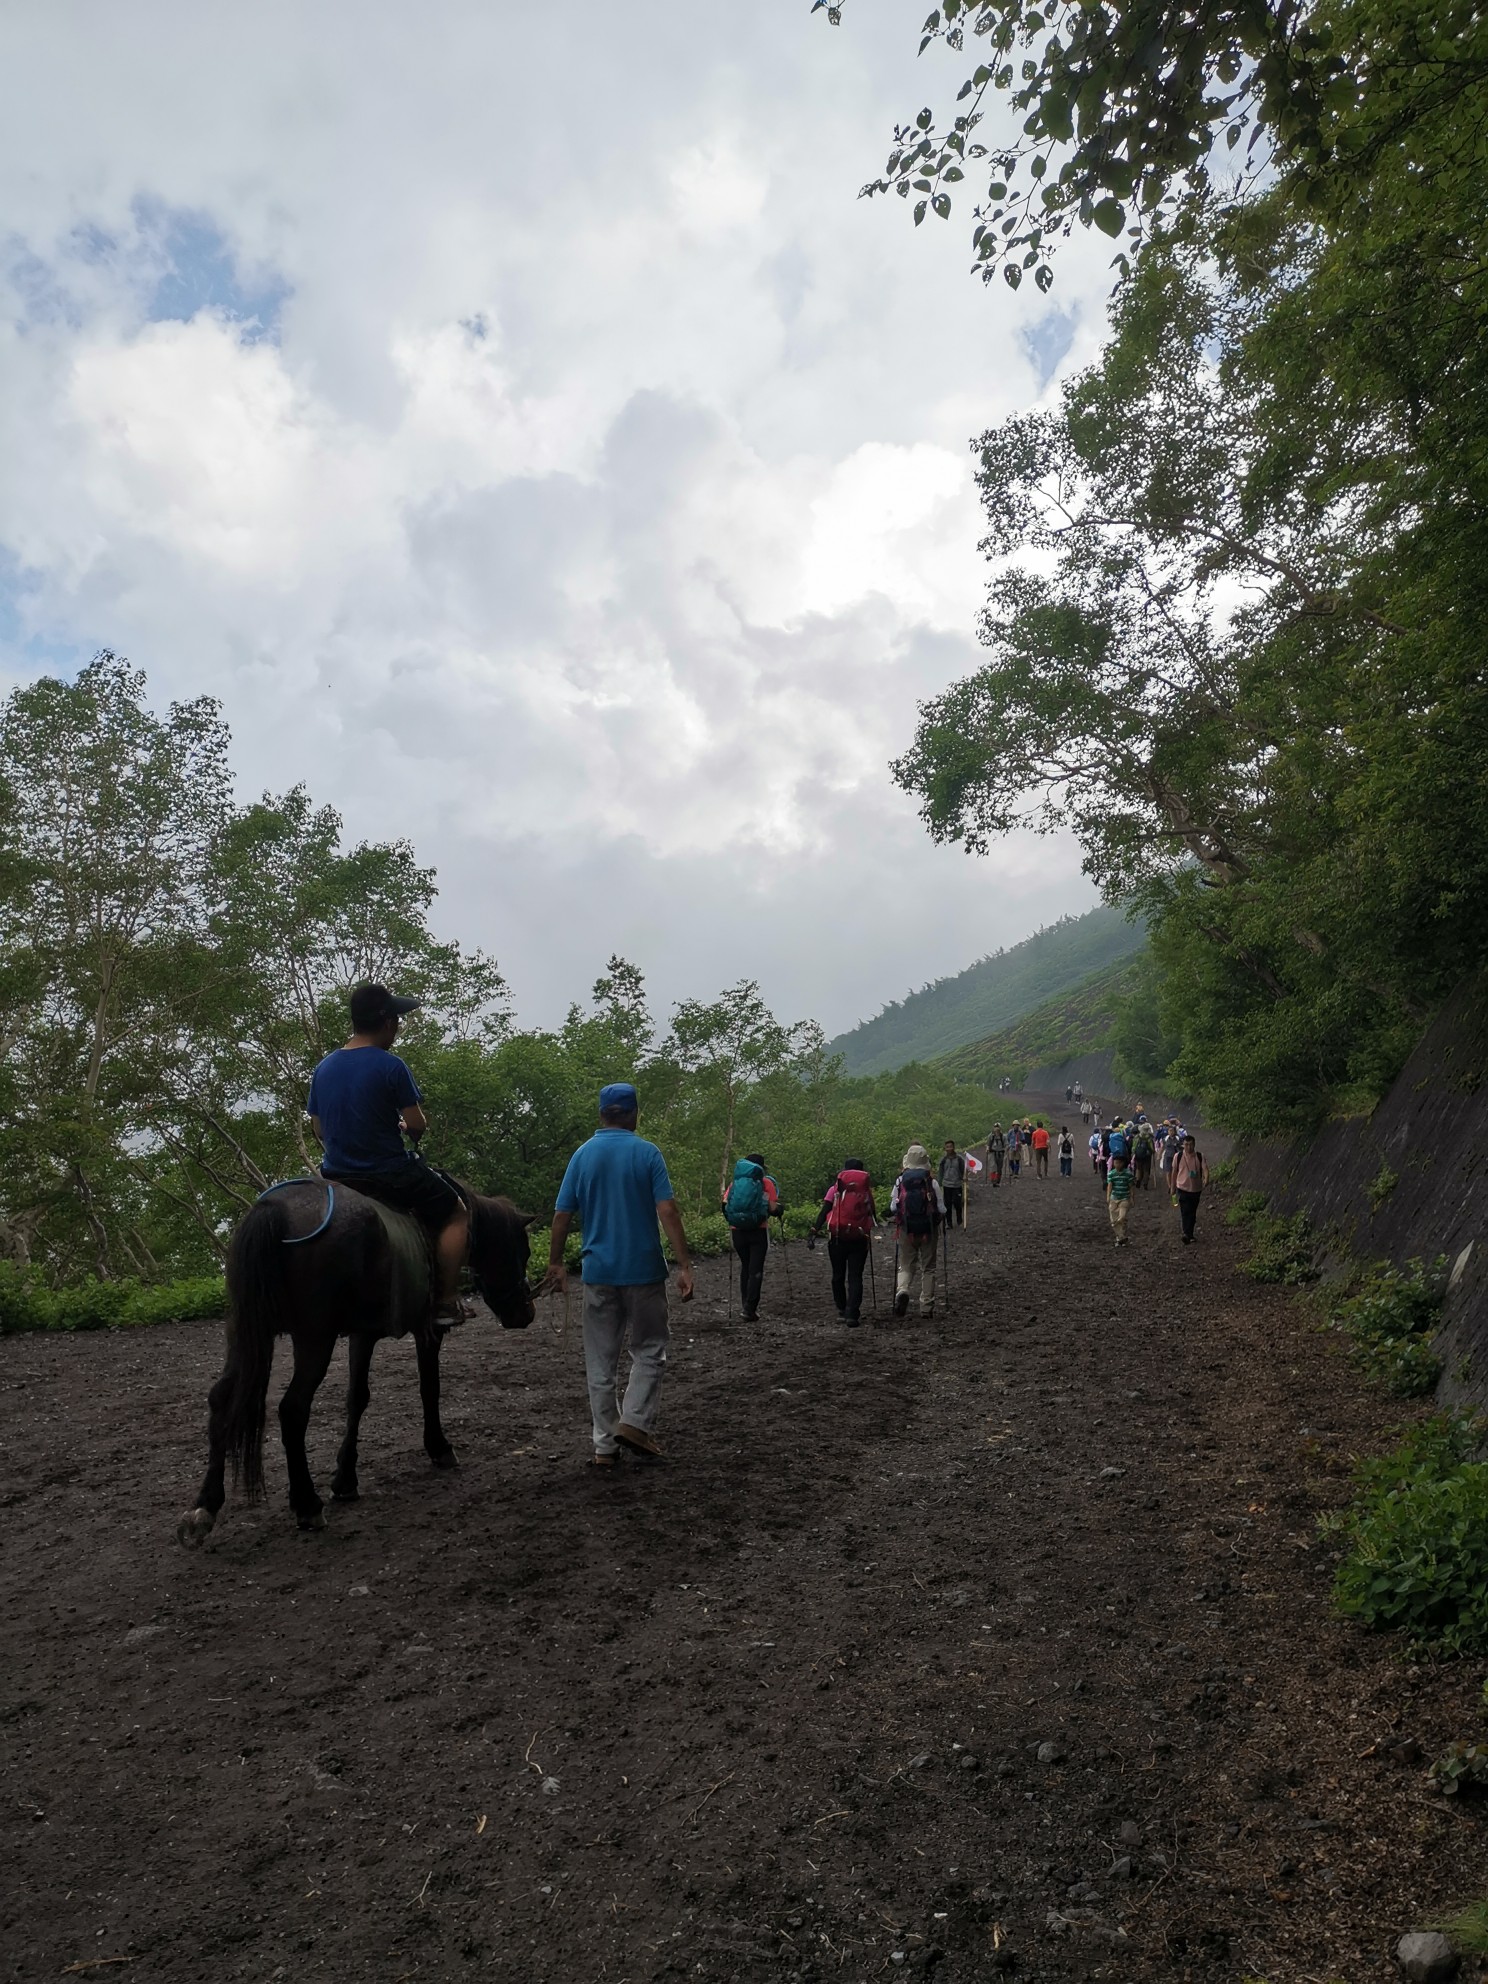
[619, 1096]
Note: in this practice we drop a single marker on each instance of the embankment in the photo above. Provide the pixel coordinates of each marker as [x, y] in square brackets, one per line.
[1411, 1180]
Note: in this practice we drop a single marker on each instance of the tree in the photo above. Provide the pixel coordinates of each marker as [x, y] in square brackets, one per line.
[1130, 114]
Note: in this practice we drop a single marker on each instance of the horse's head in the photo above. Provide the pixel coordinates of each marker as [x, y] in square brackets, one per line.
[498, 1259]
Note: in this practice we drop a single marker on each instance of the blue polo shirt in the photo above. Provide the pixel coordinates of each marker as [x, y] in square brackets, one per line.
[614, 1183]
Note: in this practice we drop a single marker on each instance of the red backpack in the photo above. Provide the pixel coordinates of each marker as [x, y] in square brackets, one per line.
[852, 1208]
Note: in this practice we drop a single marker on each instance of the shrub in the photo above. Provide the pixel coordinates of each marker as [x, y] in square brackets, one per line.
[1391, 1321]
[1464, 1767]
[26, 1303]
[1416, 1540]
[1283, 1250]
[1247, 1208]
[1381, 1186]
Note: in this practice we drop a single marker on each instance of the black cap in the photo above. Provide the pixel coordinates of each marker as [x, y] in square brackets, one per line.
[372, 1006]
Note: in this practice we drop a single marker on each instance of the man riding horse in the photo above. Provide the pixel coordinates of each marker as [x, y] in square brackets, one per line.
[363, 1102]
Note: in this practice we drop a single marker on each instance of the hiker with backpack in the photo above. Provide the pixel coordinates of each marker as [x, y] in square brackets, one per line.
[748, 1206]
[953, 1185]
[917, 1210]
[996, 1153]
[1066, 1154]
[1040, 1142]
[1014, 1151]
[849, 1215]
[1190, 1176]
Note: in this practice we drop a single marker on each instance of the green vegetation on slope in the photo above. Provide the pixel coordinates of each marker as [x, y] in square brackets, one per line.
[955, 1012]
[1080, 1021]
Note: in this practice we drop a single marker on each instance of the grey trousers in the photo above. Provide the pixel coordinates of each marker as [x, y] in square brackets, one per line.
[917, 1263]
[608, 1314]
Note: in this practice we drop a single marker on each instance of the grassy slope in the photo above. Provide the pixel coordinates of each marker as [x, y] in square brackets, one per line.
[957, 1012]
[1074, 1022]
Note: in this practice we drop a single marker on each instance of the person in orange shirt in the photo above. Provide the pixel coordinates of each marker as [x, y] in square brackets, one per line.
[1041, 1151]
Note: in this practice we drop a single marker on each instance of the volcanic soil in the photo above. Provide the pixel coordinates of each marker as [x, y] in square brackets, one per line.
[998, 1641]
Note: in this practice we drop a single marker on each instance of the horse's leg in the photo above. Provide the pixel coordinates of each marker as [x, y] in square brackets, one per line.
[344, 1482]
[196, 1525]
[312, 1357]
[436, 1446]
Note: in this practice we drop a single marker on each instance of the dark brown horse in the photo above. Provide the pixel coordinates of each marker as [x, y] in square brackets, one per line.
[313, 1264]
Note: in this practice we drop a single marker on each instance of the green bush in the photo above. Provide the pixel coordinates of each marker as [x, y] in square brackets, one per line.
[26, 1303]
[1416, 1540]
[1283, 1250]
[1247, 1208]
[1391, 1321]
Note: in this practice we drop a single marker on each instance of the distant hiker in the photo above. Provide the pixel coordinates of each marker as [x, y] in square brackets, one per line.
[363, 1102]
[1079, 1093]
[1069, 1092]
[1118, 1198]
[1040, 1150]
[1095, 1151]
[1066, 1154]
[1190, 1176]
[996, 1153]
[916, 1208]
[1169, 1154]
[1014, 1151]
[1143, 1150]
[849, 1215]
[617, 1187]
[748, 1206]
[953, 1185]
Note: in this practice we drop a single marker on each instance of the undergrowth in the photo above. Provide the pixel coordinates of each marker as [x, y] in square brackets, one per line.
[1415, 1540]
[26, 1303]
[1283, 1251]
[1392, 1319]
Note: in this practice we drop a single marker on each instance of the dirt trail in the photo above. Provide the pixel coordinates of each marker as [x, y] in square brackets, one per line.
[774, 1710]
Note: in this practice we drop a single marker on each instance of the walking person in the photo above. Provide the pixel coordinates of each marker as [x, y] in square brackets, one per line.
[1040, 1150]
[953, 1185]
[1190, 1176]
[996, 1153]
[849, 1215]
[1066, 1154]
[617, 1188]
[915, 1206]
[749, 1206]
[1014, 1151]
[1118, 1198]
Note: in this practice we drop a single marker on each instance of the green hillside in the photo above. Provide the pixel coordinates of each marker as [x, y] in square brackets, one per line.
[1079, 1020]
[992, 994]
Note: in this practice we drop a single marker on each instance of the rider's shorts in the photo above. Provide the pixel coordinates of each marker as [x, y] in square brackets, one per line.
[414, 1187]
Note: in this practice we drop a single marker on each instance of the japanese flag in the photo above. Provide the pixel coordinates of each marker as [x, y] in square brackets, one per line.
[973, 1165]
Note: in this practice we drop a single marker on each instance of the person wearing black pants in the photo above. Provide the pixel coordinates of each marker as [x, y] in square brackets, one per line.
[848, 1213]
[953, 1185]
[848, 1254]
[1190, 1176]
[751, 1244]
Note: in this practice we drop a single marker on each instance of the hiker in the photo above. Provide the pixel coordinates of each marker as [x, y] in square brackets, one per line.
[617, 1186]
[849, 1215]
[1014, 1151]
[1169, 1154]
[917, 1211]
[1118, 1196]
[953, 1185]
[1095, 1150]
[1190, 1176]
[1069, 1092]
[1079, 1092]
[1040, 1150]
[1142, 1155]
[996, 1153]
[1066, 1154]
[363, 1102]
[749, 1206]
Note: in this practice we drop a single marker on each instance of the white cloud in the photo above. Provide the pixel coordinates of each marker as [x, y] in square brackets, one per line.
[601, 509]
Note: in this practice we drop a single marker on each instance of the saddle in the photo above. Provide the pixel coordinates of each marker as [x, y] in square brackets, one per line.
[410, 1292]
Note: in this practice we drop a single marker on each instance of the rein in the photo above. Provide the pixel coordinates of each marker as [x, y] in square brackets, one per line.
[299, 1239]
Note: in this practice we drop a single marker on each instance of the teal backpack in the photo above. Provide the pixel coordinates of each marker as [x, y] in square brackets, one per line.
[746, 1204]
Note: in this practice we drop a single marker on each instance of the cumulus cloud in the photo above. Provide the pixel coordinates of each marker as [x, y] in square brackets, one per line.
[523, 429]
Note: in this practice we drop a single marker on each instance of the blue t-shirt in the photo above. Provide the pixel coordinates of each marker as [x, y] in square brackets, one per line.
[357, 1093]
[614, 1183]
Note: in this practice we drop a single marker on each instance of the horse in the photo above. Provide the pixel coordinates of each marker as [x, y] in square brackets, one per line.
[316, 1262]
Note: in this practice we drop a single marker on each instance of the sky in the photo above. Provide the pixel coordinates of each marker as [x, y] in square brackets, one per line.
[516, 420]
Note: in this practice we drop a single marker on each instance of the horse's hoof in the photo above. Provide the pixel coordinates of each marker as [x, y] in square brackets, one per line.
[195, 1527]
[448, 1459]
[351, 1493]
[317, 1521]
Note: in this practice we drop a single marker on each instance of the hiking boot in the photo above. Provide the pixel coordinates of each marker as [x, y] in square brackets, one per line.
[901, 1305]
[604, 1462]
[639, 1442]
[450, 1315]
[851, 1321]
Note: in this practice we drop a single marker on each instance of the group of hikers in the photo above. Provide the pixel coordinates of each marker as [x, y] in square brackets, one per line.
[367, 1112]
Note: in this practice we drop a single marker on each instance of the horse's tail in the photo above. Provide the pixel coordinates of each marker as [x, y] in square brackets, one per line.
[258, 1312]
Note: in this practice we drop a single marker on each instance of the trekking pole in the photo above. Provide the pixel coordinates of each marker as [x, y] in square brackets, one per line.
[872, 1274]
[785, 1256]
[945, 1267]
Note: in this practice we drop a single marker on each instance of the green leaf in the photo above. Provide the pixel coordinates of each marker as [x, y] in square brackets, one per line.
[1012, 275]
[919, 212]
[1109, 216]
[953, 172]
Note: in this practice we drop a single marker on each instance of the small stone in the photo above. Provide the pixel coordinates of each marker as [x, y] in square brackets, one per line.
[550, 1787]
[1112, 1473]
[1426, 1957]
[1055, 1923]
[969, 1762]
[1121, 1870]
[359, 1591]
[896, 1956]
[1052, 1753]
[1130, 1833]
